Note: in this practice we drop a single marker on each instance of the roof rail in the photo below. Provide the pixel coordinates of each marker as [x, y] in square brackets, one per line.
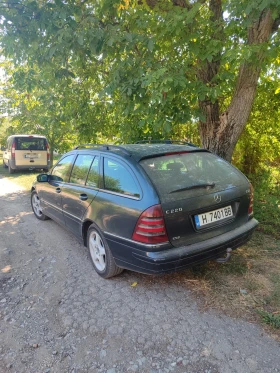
[103, 147]
[167, 141]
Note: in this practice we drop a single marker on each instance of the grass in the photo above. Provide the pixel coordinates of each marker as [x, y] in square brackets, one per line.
[270, 319]
[248, 286]
[23, 178]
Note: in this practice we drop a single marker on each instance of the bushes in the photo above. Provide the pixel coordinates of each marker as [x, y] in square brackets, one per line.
[267, 199]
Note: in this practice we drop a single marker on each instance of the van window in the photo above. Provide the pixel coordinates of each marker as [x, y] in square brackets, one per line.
[30, 143]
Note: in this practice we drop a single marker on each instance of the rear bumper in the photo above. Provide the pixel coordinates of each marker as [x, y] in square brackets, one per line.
[29, 167]
[174, 259]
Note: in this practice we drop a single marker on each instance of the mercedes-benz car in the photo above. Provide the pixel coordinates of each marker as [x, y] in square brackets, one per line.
[151, 208]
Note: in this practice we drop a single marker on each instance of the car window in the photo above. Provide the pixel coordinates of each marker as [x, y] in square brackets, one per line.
[93, 175]
[81, 168]
[63, 167]
[31, 143]
[185, 172]
[118, 179]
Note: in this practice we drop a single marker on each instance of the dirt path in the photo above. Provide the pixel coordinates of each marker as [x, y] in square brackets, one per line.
[58, 316]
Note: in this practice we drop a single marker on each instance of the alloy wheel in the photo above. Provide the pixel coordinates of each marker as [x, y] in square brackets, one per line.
[97, 251]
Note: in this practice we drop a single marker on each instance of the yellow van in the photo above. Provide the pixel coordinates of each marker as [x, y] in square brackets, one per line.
[26, 152]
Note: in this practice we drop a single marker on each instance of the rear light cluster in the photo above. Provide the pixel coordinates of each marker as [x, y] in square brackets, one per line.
[150, 227]
[250, 209]
[13, 149]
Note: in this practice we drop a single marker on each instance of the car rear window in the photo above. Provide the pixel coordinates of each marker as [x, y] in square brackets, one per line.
[186, 175]
[31, 143]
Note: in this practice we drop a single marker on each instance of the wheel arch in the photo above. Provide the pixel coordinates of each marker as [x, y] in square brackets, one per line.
[85, 227]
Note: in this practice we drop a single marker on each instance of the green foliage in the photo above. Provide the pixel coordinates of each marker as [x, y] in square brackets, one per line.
[128, 69]
[270, 319]
[257, 154]
[259, 145]
[267, 200]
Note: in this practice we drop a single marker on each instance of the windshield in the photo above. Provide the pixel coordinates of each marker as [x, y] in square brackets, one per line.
[179, 176]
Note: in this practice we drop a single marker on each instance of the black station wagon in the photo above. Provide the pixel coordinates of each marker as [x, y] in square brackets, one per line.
[151, 208]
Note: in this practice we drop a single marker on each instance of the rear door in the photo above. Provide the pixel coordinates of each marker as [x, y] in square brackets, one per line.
[116, 206]
[79, 193]
[202, 196]
[31, 151]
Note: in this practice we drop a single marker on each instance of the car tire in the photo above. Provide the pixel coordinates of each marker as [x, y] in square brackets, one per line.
[100, 254]
[36, 206]
[4, 164]
[11, 170]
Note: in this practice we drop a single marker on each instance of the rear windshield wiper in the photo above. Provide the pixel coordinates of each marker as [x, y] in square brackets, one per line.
[194, 186]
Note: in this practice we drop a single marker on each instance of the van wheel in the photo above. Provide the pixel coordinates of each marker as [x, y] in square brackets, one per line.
[36, 206]
[11, 170]
[100, 254]
[4, 165]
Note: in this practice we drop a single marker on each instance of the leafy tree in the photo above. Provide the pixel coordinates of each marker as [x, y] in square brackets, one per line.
[259, 144]
[38, 105]
[150, 66]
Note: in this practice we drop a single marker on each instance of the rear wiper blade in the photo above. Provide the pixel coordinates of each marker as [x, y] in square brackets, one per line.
[194, 186]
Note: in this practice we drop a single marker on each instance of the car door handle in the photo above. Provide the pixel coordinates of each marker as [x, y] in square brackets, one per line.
[58, 190]
[83, 197]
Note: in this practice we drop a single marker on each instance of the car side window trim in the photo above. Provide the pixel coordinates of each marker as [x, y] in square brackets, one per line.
[120, 194]
[96, 157]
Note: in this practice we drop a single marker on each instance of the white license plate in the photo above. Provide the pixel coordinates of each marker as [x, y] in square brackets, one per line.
[213, 216]
[31, 156]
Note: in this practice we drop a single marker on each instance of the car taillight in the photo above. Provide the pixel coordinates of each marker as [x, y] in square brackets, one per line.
[251, 205]
[150, 227]
[48, 152]
[13, 150]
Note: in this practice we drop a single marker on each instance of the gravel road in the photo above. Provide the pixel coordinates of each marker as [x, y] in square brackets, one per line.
[58, 316]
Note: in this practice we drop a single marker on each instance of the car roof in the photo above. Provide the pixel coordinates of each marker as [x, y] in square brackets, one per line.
[38, 136]
[141, 151]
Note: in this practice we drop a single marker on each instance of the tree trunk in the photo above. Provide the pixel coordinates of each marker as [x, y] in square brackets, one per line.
[220, 132]
[52, 147]
[51, 157]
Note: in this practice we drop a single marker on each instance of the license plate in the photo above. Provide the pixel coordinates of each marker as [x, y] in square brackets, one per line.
[31, 156]
[213, 216]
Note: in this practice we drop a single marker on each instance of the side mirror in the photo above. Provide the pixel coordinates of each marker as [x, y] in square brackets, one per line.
[42, 178]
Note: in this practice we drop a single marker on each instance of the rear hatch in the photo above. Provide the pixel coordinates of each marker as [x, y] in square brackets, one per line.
[202, 196]
[31, 151]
